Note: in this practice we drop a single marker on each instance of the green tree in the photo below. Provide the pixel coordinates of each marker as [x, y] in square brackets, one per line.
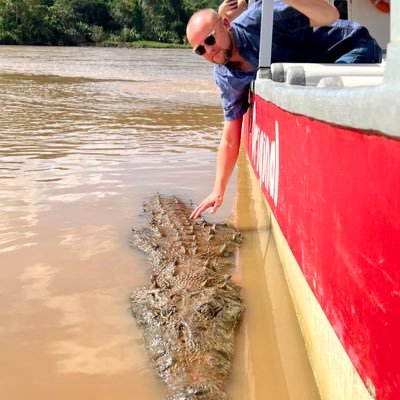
[127, 13]
[193, 5]
[164, 20]
[68, 22]
[65, 22]
[25, 21]
[91, 12]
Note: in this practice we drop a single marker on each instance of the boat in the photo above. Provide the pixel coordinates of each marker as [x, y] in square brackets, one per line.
[323, 144]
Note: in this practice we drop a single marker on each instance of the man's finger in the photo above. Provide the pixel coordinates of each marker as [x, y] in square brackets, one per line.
[197, 212]
[194, 213]
[200, 209]
[215, 207]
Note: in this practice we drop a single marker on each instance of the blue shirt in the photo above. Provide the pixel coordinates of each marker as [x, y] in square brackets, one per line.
[294, 40]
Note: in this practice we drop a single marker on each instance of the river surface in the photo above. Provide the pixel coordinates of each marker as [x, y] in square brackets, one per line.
[87, 135]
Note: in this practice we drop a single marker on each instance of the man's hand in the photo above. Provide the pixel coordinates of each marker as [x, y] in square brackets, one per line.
[232, 8]
[227, 5]
[213, 200]
[228, 151]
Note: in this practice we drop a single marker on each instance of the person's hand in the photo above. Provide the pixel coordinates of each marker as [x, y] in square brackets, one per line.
[213, 200]
[227, 6]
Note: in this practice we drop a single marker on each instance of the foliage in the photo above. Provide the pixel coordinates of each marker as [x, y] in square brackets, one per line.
[112, 42]
[75, 22]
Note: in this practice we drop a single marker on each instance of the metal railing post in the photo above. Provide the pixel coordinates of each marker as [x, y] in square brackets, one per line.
[267, 22]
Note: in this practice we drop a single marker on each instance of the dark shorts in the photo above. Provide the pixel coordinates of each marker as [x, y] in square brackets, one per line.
[365, 51]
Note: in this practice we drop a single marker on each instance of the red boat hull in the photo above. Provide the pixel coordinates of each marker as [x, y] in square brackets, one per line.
[335, 194]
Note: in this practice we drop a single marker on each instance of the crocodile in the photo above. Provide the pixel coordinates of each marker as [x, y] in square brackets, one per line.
[189, 310]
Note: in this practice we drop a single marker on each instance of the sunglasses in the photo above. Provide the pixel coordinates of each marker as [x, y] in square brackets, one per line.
[208, 41]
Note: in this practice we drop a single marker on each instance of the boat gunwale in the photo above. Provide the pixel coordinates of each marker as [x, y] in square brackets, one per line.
[348, 107]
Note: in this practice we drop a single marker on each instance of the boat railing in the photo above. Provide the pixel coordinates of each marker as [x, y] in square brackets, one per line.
[364, 97]
[310, 74]
[350, 81]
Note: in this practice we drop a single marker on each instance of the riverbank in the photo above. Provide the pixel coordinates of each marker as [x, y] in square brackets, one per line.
[141, 44]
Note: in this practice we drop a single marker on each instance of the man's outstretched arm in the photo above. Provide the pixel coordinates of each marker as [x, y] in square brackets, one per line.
[226, 159]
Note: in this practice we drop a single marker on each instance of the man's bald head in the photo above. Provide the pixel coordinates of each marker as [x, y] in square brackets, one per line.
[201, 23]
[209, 34]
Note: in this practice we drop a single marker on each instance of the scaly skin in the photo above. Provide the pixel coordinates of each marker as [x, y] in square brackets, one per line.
[189, 311]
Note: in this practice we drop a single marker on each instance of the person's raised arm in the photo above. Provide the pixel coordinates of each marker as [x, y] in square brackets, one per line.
[226, 159]
[232, 8]
[319, 12]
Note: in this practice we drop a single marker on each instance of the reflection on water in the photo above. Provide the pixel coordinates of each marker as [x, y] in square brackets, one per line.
[86, 135]
[271, 358]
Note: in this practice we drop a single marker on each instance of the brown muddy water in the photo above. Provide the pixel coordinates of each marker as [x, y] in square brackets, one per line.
[86, 136]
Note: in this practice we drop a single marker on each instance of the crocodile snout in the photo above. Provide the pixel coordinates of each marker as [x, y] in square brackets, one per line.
[197, 392]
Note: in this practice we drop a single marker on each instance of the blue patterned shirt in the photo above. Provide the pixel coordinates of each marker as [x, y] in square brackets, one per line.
[294, 40]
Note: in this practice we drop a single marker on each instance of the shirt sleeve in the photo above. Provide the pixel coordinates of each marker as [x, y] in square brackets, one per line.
[289, 19]
[234, 93]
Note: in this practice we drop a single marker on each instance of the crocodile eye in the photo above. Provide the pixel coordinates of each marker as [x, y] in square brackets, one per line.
[208, 310]
[198, 390]
[176, 298]
[168, 310]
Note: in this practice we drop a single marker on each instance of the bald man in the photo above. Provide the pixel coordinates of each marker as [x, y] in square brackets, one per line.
[304, 31]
